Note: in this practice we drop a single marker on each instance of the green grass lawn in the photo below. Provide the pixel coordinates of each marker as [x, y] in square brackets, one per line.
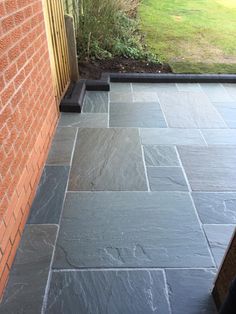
[197, 36]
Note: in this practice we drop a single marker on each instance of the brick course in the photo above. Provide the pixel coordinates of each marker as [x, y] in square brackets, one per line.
[28, 116]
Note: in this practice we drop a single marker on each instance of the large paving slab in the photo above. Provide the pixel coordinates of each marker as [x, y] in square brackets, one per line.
[156, 155]
[84, 120]
[216, 92]
[231, 90]
[216, 208]
[154, 87]
[219, 237]
[47, 205]
[111, 292]
[121, 87]
[220, 137]
[96, 102]
[228, 112]
[26, 287]
[189, 87]
[190, 291]
[107, 159]
[138, 114]
[210, 168]
[62, 147]
[189, 110]
[171, 137]
[130, 229]
[166, 179]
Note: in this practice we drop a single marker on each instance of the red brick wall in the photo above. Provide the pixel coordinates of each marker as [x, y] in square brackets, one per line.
[28, 115]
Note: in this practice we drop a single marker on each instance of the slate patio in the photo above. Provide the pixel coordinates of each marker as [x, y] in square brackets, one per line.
[135, 207]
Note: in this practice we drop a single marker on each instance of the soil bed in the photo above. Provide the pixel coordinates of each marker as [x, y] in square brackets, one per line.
[94, 69]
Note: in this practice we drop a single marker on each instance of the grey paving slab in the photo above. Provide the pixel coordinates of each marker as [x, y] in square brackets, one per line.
[130, 229]
[145, 96]
[166, 179]
[84, 120]
[189, 87]
[156, 155]
[107, 159]
[189, 110]
[210, 168]
[190, 291]
[111, 292]
[216, 208]
[28, 278]
[171, 137]
[47, 205]
[121, 97]
[136, 114]
[216, 92]
[95, 102]
[231, 90]
[153, 87]
[121, 87]
[219, 237]
[220, 137]
[62, 146]
[228, 112]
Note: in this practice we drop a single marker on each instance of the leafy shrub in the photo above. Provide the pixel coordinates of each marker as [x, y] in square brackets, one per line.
[107, 28]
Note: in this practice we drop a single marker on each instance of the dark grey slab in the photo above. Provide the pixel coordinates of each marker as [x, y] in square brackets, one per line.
[28, 278]
[210, 168]
[231, 90]
[121, 97]
[189, 110]
[220, 137]
[219, 237]
[107, 159]
[189, 87]
[166, 179]
[62, 146]
[216, 92]
[84, 120]
[146, 115]
[121, 87]
[47, 205]
[130, 229]
[156, 155]
[95, 102]
[111, 292]
[145, 96]
[228, 112]
[171, 137]
[190, 291]
[216, 208]
[154, 87]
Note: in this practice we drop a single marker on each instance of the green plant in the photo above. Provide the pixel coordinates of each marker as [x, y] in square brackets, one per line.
[107, 28]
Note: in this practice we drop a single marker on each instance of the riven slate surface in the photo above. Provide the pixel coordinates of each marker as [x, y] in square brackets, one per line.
[107, 159]
[166, 179]
[189, 87]
[26, 287]
[121, 87]
[190, 110]
[130, 229]
[171, 137]
[220, 137]
[154, 87]
[190, 291]
[138, 114]
[228, 112]
[219, 237]
[216, 92]
[110, 292]
[210, 168]
[47, 205]
[231, 90]
[62, 146]
[156, 155]
[216, 208]
[95, 102]
[84, 120]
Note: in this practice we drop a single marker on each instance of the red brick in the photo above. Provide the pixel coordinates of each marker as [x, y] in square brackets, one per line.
[13, 250]
[10, 72]
[10, 5]
[8, 23]
[3, 279]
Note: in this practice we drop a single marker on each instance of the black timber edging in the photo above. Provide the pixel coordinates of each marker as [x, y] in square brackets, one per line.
[74, 97]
